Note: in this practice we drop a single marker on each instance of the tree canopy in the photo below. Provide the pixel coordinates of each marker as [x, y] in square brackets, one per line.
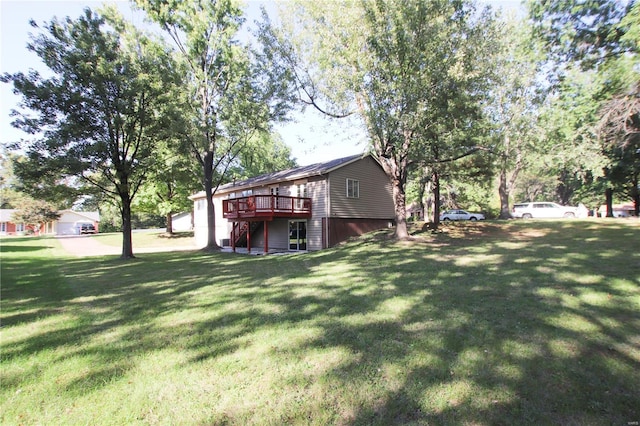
[233, 92]
[594, 45]
[98, 117]
[415, 72]
[446, 92]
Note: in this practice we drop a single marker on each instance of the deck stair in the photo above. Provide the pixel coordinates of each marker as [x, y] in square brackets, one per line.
[240, 231]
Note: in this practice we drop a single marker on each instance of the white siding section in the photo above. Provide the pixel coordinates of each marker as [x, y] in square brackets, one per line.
[69, 221]
[200, 222]
[223, 226]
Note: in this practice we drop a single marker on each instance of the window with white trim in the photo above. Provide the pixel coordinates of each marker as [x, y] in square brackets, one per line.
[3, 227]
[299, 189]
[353, 188]
[19, 227]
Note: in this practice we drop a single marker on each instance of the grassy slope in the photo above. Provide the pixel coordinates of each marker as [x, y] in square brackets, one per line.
[519, 322]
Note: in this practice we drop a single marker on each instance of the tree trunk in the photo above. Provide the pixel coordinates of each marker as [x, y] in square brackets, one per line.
[399, 200]
[395, 170]
[503, 191]
[169, 229]
[506, 184]
[212, 245]
[421, 204]
[436, 199]
[428, 205]
[608, 193]
[127, 243]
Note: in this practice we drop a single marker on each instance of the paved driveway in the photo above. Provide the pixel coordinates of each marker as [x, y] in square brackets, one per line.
[85, 246]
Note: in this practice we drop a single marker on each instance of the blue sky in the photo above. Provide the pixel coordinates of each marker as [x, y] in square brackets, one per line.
[311, 137]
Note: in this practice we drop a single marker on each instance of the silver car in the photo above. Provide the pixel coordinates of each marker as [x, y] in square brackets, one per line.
[460, 215]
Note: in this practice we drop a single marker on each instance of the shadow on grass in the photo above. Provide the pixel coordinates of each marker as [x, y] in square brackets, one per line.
[20, 249]
[485, 323]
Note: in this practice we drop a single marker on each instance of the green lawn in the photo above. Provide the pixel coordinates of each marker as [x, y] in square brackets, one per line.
[147, 239]
[519, 322]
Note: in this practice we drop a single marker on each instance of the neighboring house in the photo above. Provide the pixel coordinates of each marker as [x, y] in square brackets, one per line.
[415, 211]
[304, 208]
[619, 210]
[182, 222]
[68, 223]
[7, 226]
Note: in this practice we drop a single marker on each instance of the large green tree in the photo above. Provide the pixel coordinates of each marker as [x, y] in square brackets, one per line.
[619, 124]
[569, 155]
[97, 117]
[41, 179]
[583, 32]
[599, 40]
[234, 92]
[414, 71]
[265, 153]
[170, 182]
[514, 109]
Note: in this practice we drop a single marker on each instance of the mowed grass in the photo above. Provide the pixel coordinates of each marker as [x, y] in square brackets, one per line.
[518, 322]
[143, 239]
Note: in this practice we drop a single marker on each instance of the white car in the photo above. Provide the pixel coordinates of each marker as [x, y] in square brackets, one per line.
[542, 210]
[460, 215]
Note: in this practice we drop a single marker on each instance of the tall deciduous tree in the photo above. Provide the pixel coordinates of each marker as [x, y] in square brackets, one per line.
[569, 154]
[412, 70]
[233, 93]
[170, 182]
[584, 32]
[265, 153]
[41, 179]
[96, 118]
[619, 124]
[514, 109]
[599, 37]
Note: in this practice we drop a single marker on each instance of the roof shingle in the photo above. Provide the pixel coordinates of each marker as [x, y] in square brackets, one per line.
[285, 175]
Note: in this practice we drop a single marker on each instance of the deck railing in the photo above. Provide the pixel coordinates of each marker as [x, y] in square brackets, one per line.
[256, 206]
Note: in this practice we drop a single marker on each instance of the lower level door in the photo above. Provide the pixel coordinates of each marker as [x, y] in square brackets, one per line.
[297, 235]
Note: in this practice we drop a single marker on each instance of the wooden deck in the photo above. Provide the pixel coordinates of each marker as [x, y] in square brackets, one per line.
[266, 207]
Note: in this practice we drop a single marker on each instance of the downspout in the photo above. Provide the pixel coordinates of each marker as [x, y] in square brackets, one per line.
[328, 212]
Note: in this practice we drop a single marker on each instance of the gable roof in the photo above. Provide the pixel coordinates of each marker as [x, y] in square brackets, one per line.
[5, 214]
[91, 216]
[295, 173]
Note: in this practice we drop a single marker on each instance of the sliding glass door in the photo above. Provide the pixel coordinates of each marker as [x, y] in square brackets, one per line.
[297, 235]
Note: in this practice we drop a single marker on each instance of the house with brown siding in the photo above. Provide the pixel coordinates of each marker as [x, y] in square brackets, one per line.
[304, 208]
